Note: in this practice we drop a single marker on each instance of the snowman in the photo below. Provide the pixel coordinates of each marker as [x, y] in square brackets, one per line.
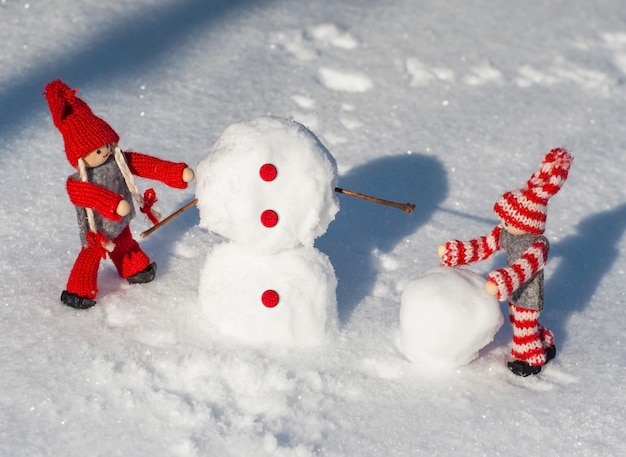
[267, 187]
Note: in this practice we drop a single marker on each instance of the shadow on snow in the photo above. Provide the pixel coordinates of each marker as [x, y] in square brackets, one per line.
[362, 228]
[136, 44]
[585, 258]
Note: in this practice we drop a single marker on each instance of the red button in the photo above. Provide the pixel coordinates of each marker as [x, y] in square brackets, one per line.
[270, 298]
[269, 218]
[268, 172]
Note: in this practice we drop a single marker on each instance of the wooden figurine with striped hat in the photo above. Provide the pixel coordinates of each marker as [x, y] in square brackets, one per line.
[523, 214]
[102, 189]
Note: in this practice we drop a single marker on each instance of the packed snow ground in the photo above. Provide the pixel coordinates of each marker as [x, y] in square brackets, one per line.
[443, 104]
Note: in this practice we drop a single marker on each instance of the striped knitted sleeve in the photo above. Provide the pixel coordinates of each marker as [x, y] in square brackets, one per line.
[145, 166]
[89, 195]
[464, 252]
[509, 279]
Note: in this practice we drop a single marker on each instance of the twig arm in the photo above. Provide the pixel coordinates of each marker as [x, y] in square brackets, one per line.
[406, 207]
[174, 215]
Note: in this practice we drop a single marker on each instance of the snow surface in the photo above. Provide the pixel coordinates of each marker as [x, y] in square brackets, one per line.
[442, 104]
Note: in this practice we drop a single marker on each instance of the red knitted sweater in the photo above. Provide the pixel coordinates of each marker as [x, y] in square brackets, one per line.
[104, 201]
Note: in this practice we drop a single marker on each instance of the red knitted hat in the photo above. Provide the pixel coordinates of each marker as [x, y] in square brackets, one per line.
[527, 208]
[82, 130]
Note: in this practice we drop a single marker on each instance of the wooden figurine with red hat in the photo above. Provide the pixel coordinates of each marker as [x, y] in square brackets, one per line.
[523, 215]
[102, 190]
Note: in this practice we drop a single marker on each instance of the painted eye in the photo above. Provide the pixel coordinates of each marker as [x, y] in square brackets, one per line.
[98, 152]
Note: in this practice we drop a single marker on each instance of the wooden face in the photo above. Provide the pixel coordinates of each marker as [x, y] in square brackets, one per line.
[513, 230]
[98, 156]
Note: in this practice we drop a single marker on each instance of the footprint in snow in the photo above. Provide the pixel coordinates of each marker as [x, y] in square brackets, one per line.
[343, 81]
[483, 74]
[327, 42]
[315, 42]
[303, 101]
[308, 116]
[563, 72]
[616, 43]
[310, 43]
[421, 75]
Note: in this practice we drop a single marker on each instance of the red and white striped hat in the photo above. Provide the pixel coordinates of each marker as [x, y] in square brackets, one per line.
[527, 208]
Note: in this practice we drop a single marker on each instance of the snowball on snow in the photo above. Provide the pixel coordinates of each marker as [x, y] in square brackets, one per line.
[446, 317]
[234, 280]
[232, 194]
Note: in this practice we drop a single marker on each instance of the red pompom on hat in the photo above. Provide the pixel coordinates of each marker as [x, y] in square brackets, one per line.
[527, 208]
[82, 130]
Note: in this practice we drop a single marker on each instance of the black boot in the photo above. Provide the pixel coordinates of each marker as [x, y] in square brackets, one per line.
[76, 301]
[550, 353]
[144, 276]
[521, 368]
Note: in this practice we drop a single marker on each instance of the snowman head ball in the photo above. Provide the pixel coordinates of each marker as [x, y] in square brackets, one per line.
[267, 184]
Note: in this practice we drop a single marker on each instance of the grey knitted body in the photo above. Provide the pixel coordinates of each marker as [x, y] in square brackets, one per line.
[530, 294]
[108, 176]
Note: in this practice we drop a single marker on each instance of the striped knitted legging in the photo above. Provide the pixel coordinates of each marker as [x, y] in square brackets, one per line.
[530, 338]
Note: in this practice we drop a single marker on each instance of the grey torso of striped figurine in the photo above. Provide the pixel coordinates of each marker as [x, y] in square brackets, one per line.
[530, 294]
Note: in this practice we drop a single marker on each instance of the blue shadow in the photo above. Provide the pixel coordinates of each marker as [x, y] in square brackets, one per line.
[362, 227]
[136, 44]
[585, 258]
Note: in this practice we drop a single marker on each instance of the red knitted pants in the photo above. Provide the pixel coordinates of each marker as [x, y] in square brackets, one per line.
[127, 257]
[530, 338]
